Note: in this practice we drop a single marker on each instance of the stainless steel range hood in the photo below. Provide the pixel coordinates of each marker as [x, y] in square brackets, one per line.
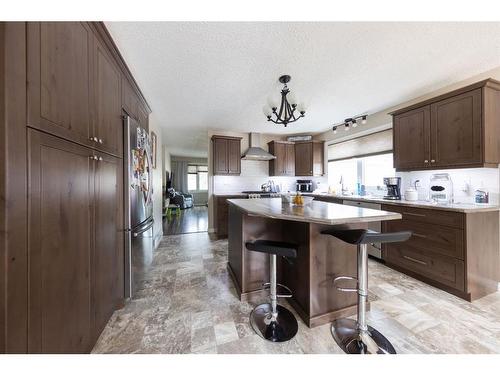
[255, 152]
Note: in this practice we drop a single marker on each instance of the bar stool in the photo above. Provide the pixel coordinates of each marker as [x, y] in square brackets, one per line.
[355, 336]
[271, 321]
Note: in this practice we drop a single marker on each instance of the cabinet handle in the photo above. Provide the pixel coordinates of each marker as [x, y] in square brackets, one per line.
[415, 260]
[419, 235]
[412, 214]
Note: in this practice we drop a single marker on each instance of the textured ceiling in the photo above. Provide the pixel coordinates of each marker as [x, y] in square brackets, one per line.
[218, 75]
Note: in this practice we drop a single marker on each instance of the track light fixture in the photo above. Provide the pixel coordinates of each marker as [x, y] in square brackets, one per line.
[350, 122]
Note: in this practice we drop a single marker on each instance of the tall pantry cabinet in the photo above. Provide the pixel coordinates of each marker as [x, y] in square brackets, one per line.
[69, 269]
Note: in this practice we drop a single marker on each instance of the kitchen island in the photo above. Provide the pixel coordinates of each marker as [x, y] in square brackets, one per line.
[320, 258]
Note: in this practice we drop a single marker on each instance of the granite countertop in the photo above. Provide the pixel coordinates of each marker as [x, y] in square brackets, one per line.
[316, 212]
[457, 207]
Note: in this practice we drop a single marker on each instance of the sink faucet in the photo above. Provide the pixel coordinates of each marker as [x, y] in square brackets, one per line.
[343, 189]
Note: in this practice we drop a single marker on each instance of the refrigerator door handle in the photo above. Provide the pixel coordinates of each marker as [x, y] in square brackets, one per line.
[148, 226]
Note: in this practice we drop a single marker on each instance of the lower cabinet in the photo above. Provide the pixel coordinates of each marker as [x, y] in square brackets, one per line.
[453, 251]
[75, 244]
[108, 240]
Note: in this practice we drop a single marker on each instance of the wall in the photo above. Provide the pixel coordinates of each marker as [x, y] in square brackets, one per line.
[465, 182]
[154, 126]
[253, 173]
[200, 198]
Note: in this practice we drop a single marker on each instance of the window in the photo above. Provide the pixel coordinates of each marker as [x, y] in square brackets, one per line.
[197, 178]
[367, 171]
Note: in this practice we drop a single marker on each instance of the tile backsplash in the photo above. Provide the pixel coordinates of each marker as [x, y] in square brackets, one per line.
[465, 182]
[254, 174]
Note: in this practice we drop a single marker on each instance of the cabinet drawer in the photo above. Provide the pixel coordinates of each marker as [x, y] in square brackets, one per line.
[430, 216]
[429, 237]
[445, 270]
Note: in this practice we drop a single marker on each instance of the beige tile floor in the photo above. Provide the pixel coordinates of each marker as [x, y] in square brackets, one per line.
[187, 304]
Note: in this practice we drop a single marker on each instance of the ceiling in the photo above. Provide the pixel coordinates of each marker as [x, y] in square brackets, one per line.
[200, 75]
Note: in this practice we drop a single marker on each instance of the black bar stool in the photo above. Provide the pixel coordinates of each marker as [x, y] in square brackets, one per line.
[355, 336]
[271, 321]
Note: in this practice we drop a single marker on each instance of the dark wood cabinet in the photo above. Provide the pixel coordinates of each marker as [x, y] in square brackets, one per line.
[226, 155]
[61, 193]
[309, 158]
[108, 107]
[454, 130]
[63, 269]
[411, 139]
[59, 75]
[450, 250]
[76, 247]
[108, 265]
[221, 213]
[284, 164]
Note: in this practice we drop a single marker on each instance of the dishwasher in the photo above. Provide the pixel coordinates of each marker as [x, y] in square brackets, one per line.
[374, 249]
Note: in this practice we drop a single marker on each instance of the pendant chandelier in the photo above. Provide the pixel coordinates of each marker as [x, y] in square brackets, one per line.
[289, 111]
[350, 122]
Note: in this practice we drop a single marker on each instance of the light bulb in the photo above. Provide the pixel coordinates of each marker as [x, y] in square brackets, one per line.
[354, 123]
[363, 120]
[272, 102]
[291, 98]
[346, 127]
[301, 107]
[267, 111]
[335, 130]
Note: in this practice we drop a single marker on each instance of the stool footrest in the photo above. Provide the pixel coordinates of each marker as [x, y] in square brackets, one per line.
[286, 289]
[340, 278]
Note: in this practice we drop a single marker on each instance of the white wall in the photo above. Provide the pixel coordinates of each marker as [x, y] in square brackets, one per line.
[465, 182]
[158, 177]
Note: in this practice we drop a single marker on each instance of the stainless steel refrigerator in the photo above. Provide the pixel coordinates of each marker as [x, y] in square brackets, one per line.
[138, 204]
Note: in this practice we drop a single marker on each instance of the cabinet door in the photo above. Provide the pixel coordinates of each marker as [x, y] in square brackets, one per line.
[59, 246]
[234, 156]
[411, 132]
[279, 162]
[304, 159]
[221, 165]
[59, 84]
[143, 118]
[290, 160]
[456, 130]
[318, 151]
[108, 107]
[109, 240]
[129, 100]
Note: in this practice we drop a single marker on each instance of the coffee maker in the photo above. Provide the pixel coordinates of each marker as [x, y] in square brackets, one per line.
[393, 188]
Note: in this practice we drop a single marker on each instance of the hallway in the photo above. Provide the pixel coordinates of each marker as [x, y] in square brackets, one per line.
[191, 220]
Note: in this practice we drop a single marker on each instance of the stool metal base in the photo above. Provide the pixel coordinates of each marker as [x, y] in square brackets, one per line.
[352, 341]
[283, 328]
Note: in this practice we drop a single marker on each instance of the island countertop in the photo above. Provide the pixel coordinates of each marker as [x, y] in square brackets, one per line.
[315, 212]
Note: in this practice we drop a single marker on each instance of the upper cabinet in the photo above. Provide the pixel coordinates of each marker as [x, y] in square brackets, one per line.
[226, 155]
[78, 85]
[455, 130]
[309, 158]
[59, 64]
[108, 107]
[284, 164]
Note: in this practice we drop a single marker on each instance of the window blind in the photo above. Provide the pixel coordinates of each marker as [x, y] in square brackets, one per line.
[371, 144]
